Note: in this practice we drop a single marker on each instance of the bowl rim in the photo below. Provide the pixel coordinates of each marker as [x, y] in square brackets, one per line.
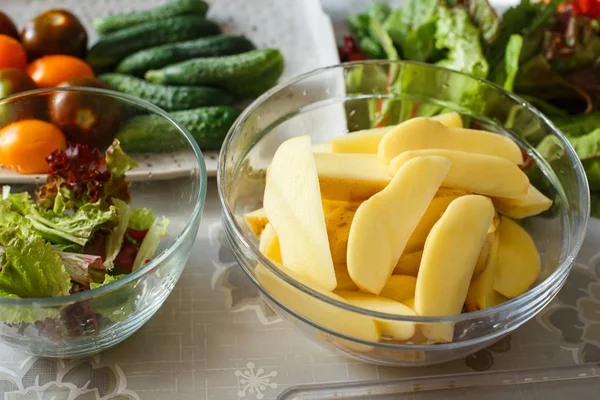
[158, 259]
[511, 304]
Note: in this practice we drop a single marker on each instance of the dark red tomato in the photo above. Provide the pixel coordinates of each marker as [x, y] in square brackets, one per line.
[85, 118]
[54, 32]
[12, 81]
[8, 27]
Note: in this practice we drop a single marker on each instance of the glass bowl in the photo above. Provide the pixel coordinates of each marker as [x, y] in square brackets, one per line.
[92, 321]
[340, 99]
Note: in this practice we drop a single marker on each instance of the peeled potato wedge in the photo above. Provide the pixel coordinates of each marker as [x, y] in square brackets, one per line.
[392, 330]
[475, 173]
[400, 288]
[365, 142]
[338, 219]
[344, 282]
[426, 133]
[321, 148]
[519, 262]
[448, 261]
[408, 264]
[351, 177]
[533, 203]
[451, 119]
[256, 221]
[292, 203]
[481, 294]
[329, 316]
[383, 224]
[269, 244]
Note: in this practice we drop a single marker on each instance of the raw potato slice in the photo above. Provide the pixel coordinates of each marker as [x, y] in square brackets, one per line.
[256, 221]
[269, 244]
[329, 316]
[400, 288]
[481, 292]
[338, 219]
[344, 282]
[366, 141]
[482, 259]
[533, 203]
[426, 133]
[518, 260]
[410, 303]
[321, 148]
[475, 173]
[350, 176]
[433, 213]
[451, 119]
[292, 202]
[394, 330]
[449, 258]
[408, 264]
[383, 224]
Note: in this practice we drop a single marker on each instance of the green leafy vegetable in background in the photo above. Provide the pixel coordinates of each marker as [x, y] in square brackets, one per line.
[141, 219]
[149, 245]
[511, 61]
[484, 16]
[114, 241]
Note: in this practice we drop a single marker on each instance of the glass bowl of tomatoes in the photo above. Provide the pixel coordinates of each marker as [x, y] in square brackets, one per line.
[92, 241]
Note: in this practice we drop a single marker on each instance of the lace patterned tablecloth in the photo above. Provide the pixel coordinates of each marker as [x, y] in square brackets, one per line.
[215, 339]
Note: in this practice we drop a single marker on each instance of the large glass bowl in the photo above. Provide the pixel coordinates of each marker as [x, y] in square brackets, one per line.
[341, 99]
[94, 320]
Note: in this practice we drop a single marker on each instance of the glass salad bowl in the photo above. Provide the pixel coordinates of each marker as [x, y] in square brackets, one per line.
[342, 99]
[64, 296]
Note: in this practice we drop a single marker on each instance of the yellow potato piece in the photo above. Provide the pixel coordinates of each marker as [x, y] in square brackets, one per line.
[448, 261]
[410, 303]
[350, 176]
[433, 213]
[475, 173]
[533, 203]
[256, 221]
[451, 119]
[400, 288]
[292, 202]
[338, 219]
[344, 282]
[365, 141]
[426, 133]
[269, 244]
[408, 264]
[484, 254]
[321, 148]
[392, 330]
[518, 260]
[329, 316]
[481, 292]
[383, 224]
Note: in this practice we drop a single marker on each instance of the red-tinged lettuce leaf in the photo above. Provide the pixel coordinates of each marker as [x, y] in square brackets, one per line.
[78, 266]
[117, 162]
[484, 16]
[587, 80]
[535, 78]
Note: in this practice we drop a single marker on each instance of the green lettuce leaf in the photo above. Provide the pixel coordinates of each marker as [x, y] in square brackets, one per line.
[117, 305]
[149, 245]
[595, 205]
[456, 33]
[511, 61]
[378, 32]
[577, 125]
[115, 238]
[484, 16]
[117, 162]
[31, 268]
[141, 219]
[107, 279]
[412, 27]
[419, 44]
[380, 11]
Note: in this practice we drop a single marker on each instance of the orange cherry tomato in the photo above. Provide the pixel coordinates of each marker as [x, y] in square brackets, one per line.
[50, 71]
[25, 145]
[12, 53]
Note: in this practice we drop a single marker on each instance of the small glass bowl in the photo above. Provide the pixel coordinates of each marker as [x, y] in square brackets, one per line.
[340, 99]
[92, 321]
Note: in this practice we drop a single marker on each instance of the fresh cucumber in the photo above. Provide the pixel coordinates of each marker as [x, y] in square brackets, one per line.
[229, 71]
[112, 48]
[160, 56]
[152, 133]
[111, 23]
[254, 85]
[170, 98]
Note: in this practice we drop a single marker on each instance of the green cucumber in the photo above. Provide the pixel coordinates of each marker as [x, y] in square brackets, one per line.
[229, 71]
[152, 133]
[112, 48]
[170, 98]
[160, 56]
[111, 23]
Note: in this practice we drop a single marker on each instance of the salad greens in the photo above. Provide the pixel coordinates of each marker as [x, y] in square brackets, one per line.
[78, 234]
[548, 52]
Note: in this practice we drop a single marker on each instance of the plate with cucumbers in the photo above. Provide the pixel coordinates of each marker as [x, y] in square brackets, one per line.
[201, 61]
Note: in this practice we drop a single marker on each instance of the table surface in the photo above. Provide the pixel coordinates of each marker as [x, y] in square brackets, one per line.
[215, 339]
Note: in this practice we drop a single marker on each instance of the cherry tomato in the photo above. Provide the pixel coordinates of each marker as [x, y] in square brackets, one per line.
[50, 71]
[25, 145]
[8, 27]
[12, 53]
